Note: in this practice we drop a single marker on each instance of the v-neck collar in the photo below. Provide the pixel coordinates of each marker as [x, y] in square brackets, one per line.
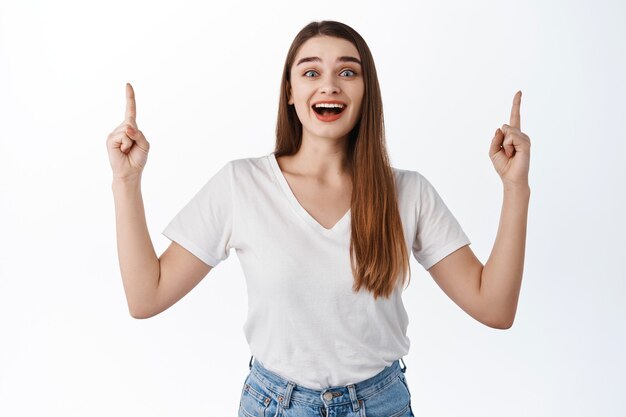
[280, 177]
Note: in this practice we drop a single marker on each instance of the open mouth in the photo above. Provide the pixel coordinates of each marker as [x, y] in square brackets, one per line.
[328, 109]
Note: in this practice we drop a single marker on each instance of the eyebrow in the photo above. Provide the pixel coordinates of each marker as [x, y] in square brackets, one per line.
[340, 59]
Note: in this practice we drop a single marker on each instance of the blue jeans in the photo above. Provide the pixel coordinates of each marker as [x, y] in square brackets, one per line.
[266, 394]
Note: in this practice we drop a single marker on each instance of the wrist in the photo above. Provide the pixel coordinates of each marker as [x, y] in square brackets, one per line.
[519, 188]
[128, 182]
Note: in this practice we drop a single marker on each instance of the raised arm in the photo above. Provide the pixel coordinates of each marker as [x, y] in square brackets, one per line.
[490, 293]
[151, 284]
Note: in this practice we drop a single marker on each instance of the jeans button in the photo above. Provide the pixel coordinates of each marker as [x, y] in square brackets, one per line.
[328, 396]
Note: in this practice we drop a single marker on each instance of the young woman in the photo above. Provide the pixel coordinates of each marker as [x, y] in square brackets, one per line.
[323, 227]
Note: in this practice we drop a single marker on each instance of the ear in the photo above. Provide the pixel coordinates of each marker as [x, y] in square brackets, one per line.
[289, 95]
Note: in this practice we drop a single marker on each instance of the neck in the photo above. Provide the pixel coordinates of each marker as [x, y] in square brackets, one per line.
[322, 158]
[325, 159]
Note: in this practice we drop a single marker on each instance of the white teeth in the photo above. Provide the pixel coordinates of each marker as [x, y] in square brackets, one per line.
[329, 105]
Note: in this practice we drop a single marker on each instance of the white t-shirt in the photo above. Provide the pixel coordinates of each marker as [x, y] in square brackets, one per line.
[304, 321]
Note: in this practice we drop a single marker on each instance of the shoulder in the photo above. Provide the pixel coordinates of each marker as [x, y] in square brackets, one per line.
[239, 167]
[246, 172]
[248, 163]
[407, 179]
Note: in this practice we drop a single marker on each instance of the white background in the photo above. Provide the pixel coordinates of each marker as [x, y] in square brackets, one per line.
[206, 78]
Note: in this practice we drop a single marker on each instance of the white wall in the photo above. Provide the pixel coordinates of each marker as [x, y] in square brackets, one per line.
[206, 79]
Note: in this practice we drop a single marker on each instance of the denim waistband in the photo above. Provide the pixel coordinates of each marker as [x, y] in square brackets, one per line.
[287, 391]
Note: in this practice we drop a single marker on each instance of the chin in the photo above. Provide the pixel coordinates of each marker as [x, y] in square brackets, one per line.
[330, 133]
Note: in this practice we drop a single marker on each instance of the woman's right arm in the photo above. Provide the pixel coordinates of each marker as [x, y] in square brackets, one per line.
[139, 264]
[151, 284]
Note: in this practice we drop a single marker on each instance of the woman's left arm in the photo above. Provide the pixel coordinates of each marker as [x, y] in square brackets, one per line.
[490, 293]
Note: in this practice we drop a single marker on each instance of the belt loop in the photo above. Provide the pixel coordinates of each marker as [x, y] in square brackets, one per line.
[353, 399]
[250, 365]
[284, 402]
[403, 369]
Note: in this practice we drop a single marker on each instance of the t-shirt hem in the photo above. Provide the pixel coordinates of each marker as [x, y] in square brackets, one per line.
[428, 262]
[191, 247]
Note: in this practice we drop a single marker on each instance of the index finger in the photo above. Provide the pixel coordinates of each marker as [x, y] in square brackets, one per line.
[515, 116]
[131, 106]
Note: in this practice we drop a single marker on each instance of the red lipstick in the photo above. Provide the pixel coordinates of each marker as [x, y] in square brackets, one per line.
[329, 116]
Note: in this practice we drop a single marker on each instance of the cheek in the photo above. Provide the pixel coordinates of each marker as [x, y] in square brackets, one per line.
[300, 105]
[358, 107]
[358, 94]
[300, 99]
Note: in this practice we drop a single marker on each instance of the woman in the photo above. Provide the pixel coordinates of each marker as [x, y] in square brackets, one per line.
[322, 227]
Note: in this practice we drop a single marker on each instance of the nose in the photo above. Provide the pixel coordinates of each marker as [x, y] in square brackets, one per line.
[329, 86]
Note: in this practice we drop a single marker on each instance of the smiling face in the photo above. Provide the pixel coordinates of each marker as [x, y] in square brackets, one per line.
[326, 87]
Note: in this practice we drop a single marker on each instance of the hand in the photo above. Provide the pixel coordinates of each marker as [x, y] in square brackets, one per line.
[510, 149]
[127, 146]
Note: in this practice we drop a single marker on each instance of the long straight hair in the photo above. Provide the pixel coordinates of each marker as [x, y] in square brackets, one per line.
[378, 254]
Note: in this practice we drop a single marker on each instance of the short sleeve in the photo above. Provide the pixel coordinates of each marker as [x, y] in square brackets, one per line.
[204, 225]
[438, 231]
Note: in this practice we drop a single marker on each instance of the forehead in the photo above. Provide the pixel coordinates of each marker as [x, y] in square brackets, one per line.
[327, 48]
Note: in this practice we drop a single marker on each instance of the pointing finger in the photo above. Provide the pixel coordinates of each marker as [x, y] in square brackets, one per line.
[131, 107]
[515, 111]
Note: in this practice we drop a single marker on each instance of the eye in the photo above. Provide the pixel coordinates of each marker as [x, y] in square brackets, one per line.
[310, 74]
[349, 71]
